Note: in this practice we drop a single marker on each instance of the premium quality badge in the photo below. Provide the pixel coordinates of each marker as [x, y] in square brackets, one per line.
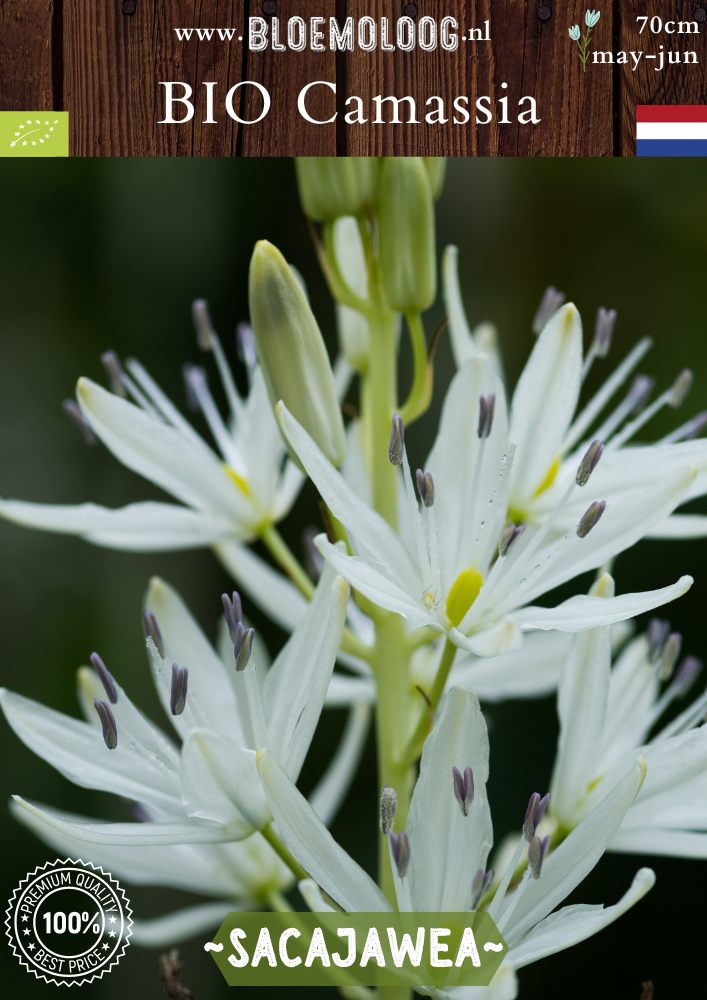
[68, 922]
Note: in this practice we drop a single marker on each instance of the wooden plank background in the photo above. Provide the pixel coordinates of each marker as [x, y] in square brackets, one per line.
[103, 60]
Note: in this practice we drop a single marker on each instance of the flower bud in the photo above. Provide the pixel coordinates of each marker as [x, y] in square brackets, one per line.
[436, 167]
[332, 186]
[407, 235]
[291, 350]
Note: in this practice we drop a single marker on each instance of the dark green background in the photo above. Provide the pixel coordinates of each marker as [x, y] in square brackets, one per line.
[100, 254]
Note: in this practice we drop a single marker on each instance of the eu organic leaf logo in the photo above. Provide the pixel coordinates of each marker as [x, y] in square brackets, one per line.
[34, 133]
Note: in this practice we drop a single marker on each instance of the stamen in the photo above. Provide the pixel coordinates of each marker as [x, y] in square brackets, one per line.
[479, 884]
[688, 672]
[313, 557]
[462, 594]
[680, 388]
[105, 677]
[243, 645]
[245, 345]
[604, 331]
[108, 723]
[388, 807]
[670, 656]
[191, 397]
[425, 487]
[537, 849]
[591, 518]
[152, 631]
[397, 441]
[115, 372]
[549, 304]
[534, 814]
[178, 693]
[487, 405]
[589, 462]
[400, 849]
[233, 612]
[673, 397]
[463, 788]
[657, 634]
[72, 409]
[607, 391]
[508, 536]
[202, 323]
[198, 385]
[688, 431]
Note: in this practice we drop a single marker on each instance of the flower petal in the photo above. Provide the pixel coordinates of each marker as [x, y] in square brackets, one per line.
[585, 611]
[176, 866]
[125, 834]
[210, 700]
[139, 527]
[77, 751]
[575, 857]
[531, 671]
[314, 847]
[582, 701]
[172, 929]
[440, 834]
[296, 684]
[665, 843]
[330, 791]
[161, 453]
[220, 784]
[470, 495]
[374, 536]
[375, 585]
[573, 924]
[544, 402]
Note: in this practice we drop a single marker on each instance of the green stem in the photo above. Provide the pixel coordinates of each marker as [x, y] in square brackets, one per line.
[416, 742]
[286, 559]
[284, 852]
[378, 403]
[391, 667]
[421, 390]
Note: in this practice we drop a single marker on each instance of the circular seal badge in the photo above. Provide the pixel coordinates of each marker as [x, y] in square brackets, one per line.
[68, 922]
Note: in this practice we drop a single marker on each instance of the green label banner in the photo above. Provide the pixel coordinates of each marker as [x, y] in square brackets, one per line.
[438, 950]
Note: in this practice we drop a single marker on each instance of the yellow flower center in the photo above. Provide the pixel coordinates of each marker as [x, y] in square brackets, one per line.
[462, 594]
[240, 482]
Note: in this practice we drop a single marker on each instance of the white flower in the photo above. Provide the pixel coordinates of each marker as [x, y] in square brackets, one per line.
[454, 563]
[574, 32]
[195, 799]
[591, 18]
[552, 433]
[440, 860]
[608, 715]
[235, 492]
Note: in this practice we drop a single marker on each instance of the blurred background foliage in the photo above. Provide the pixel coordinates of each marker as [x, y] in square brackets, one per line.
[109, 254]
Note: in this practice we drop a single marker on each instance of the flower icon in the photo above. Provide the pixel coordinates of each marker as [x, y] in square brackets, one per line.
[591, 19]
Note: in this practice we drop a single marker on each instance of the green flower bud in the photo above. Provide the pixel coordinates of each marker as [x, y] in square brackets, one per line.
[407, 235]
[332, 186]
[436, 167]
[291, 350]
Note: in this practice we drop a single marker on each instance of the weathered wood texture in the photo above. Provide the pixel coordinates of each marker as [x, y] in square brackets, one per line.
[104, 60]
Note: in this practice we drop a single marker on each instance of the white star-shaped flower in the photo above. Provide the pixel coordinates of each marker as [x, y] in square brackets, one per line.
[441, 860]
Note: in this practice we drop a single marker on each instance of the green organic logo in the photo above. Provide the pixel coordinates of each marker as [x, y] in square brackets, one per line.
[429, 950]
[34, 133]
